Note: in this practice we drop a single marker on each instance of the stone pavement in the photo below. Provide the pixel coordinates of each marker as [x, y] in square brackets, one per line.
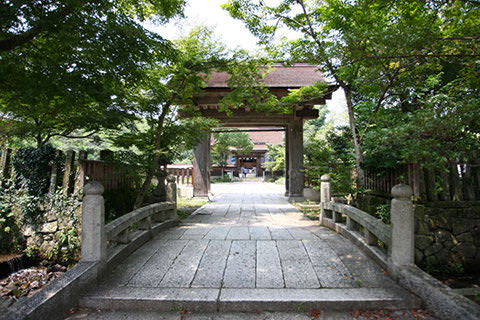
[248, 250]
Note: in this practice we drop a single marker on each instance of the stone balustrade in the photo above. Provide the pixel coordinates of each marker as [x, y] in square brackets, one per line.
[99, 241]
[387, 244]
[121, 229]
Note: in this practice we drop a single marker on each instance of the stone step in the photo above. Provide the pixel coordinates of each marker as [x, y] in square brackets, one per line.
[248, 300]
[91, 314]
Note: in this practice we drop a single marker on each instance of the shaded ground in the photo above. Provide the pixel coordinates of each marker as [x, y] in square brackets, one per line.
[26, 282]
[8, 256]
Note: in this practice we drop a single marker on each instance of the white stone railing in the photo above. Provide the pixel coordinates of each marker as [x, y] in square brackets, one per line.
[397, 240]
[398, 259]
[121, 229]
[355, 219]
[100, 241]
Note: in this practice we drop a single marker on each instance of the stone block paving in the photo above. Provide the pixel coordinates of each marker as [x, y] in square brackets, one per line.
[248, 237]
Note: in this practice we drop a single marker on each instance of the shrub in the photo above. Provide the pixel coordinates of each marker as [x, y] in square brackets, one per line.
[10, 236]
[225, 178]
[118, 203]
[33, 168]
[383, 213]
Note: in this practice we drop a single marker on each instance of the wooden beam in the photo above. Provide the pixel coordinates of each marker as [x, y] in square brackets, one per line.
[248, 130]
[307, 113]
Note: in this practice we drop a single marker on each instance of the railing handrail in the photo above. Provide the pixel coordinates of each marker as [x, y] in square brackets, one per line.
[398, 238]
[382, 231]
[119, 225]
[99, 241]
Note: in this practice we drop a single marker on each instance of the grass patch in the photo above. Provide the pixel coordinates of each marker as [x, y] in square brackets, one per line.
[185, 207]
[311, 212]
[225, 178]
[312, 215]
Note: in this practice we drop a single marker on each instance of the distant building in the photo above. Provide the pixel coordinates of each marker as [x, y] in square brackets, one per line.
[256, 157]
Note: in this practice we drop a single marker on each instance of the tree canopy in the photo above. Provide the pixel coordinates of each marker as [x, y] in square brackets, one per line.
[70, 65]
[409, 69]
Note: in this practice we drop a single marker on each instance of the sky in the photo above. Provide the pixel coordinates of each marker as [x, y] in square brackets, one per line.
[235, 35]
[209, 13]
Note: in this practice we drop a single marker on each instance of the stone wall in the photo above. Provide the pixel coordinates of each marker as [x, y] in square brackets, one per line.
[447, 233]
[54, 236]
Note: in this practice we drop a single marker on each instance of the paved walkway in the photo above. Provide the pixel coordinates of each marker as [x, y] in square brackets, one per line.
[248, 242]
[248, 237]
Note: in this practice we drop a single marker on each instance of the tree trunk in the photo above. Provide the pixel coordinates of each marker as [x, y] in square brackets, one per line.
[156, 165]
[143, 190]
[356, 143]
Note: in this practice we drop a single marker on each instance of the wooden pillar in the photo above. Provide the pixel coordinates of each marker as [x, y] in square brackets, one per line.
[287, 161]
[258, 168]
[295, 146]
[201, 167]
[67, 176]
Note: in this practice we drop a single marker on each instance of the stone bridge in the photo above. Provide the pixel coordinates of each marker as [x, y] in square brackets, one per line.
[248, 254]
[248, 250]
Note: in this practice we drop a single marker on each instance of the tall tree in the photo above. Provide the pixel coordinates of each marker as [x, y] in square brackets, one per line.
[70, 65]
[371, 48]
[25, 21]
[171, 85]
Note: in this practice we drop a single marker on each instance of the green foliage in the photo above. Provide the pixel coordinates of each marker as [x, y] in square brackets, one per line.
[297, 96]
[221, 179]
[329, 150]
[119, 202]
[186, 206]
[383, 213]
[246, 75]
[409, 70]
[157, 135]
[19, 209]
[275, 159]
[69, 68]
[443, 129]
[451, 268]
[33, 168]
[247, 89]
[10, 236]
[67, 246]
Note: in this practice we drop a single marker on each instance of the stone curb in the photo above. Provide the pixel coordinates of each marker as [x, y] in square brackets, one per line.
[249, 300]
[444, 302]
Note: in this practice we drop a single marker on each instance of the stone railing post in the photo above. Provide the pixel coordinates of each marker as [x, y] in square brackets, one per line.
[172, 194]
[94, 244]
[324, 194]
[403, 226]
